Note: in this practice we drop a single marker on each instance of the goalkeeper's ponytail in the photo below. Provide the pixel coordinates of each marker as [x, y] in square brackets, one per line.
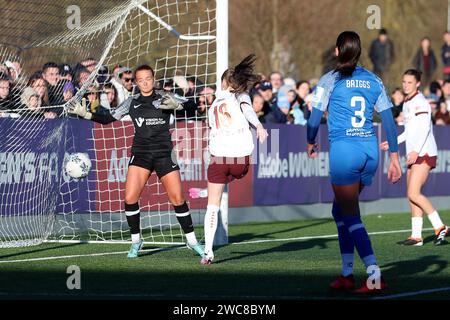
[241, 78]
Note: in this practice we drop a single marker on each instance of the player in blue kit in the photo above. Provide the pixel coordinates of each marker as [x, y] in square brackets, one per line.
[350, 93]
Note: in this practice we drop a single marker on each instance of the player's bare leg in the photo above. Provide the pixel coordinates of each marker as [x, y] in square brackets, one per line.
[172, 185]
[418, 175]
[215, 191]
[416, 221]
[348, 198]
[136, 179]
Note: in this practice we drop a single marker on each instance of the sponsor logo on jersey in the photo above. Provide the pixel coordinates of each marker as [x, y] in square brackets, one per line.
[140, 121]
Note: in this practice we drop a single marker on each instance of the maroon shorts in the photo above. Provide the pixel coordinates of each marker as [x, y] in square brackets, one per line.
[431, 161]
[223, 170]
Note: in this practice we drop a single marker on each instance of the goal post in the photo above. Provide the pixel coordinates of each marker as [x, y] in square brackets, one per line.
[39, 201]
[222, 59]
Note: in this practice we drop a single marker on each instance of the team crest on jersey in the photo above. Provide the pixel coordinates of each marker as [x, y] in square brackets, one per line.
[157, 103]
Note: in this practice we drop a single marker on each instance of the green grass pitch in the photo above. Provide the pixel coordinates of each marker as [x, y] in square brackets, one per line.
[293, 260]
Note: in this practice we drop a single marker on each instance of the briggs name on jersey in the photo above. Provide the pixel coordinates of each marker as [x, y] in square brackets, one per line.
[357, 84]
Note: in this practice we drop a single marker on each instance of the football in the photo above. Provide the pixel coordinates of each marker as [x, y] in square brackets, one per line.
[78, 165]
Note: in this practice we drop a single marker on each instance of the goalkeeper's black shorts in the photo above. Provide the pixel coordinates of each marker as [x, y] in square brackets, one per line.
[162, 163]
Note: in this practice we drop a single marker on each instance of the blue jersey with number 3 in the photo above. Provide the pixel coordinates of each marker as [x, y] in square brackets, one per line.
[350, 102]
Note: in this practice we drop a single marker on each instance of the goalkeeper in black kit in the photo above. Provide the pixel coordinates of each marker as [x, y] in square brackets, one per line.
[151, 151]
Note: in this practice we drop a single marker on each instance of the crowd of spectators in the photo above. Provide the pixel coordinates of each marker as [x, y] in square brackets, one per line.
[276, 99]
[44, 93]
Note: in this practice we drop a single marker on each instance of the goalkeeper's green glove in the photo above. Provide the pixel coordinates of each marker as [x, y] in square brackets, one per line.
[172, 101]
[80, 109]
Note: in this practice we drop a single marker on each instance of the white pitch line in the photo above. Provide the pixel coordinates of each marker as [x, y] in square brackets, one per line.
[411, 294]
[163, 249]
[79, 256]
[394, 296]
[321, 237]
[111, 242]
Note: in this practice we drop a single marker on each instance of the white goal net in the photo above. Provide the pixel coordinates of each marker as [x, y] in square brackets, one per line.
[96, 44]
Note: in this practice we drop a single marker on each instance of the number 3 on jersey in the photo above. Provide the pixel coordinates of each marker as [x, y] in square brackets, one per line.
[358, 113]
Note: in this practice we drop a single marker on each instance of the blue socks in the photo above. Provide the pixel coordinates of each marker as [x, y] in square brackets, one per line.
[345, 242]
[352, 233]
[361, 239]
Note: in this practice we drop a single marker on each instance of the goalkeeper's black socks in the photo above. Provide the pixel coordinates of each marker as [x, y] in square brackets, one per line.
[185, 220]
[133, 218]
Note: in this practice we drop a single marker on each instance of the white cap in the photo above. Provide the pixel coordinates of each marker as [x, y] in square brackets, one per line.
[181, 82]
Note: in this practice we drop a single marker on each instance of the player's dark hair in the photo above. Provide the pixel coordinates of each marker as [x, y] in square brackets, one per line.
[143, 67]
[413, 72]
[241, 78]
[349, 46]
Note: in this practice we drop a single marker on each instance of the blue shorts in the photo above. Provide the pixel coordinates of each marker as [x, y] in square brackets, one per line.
[353, 161]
